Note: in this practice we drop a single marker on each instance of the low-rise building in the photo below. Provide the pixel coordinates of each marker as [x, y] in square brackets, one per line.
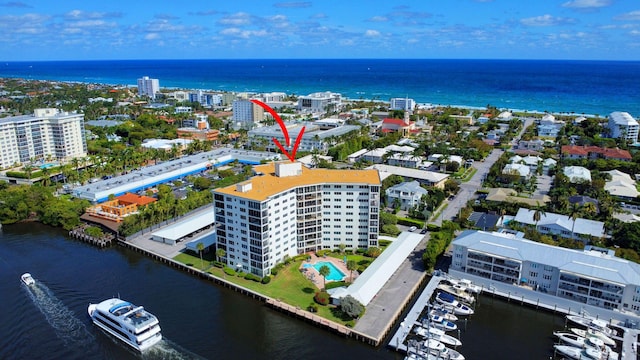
[561, 225]
[594, 152]
[521, 170]
[623, 125]
[621, 185]
[577, 174]
[593, 276]
[407, 194]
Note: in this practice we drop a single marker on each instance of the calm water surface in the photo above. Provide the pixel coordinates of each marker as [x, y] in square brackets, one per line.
[199, 319]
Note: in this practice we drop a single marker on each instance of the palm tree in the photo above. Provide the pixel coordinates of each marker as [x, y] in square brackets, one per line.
[574, 213]
[324, 271]
[200, 247]
[220, 253]
[538, 213]
[351, 265]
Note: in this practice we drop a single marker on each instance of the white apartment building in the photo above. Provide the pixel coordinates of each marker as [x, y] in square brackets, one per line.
[591, 276]
[313, 138]
[320, 102]
[246, 114]
[402, 104]
[288, 209]
[621, 124]
[47, 133]
[148, 87]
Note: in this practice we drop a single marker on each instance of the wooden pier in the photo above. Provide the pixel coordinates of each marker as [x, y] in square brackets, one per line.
[102, 242]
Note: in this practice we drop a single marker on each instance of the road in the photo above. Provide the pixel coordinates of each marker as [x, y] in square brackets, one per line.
[468, 189]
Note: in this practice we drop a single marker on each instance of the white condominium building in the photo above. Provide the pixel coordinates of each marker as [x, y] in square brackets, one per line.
[288, 209]
[148, 87]
[622, 124]
[47, 133]
[320, 102]
[246, 114]
[591, 276]
[402, 104]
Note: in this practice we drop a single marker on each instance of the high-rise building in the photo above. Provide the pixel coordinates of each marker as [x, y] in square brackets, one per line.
[402, 104]
[246, 114]
[623, 125]
[47, 133]
[288, 209]
[148, 87]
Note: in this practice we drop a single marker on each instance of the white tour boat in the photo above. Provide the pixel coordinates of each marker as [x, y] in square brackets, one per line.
[436, 334]
[132, 324]
[27, 279]
[457, 307]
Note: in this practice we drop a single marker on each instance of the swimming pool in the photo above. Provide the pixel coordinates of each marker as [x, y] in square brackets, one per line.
[334, 273]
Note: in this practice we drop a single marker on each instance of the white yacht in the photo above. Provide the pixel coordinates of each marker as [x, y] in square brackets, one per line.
[27, 279]
[132, 324]
[438, 349]
[437, 334]
[573, 352]
[458, 292]
[584, 342]
[593, 333]
[448, 315]
[457, 307]
[591, 323]
[465, 285]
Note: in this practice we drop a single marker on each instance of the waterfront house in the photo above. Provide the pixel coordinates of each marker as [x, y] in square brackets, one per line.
[561, 225]
[593, 276]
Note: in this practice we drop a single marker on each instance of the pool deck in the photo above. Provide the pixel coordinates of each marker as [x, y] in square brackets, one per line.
[312, 274]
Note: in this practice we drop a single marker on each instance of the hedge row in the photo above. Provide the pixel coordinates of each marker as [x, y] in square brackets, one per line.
[411, 222]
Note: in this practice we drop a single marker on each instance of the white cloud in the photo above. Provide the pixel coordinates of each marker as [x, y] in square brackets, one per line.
[546, 20]
[372, 33]
[243, 34]
[379, 19]
[633, 15]
[585, 4]
[152, 36]
[236, 19]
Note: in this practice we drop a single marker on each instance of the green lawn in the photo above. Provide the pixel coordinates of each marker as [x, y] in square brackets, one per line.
[289, 286]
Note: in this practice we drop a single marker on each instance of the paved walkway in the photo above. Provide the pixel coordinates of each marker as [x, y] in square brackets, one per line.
[388, 304]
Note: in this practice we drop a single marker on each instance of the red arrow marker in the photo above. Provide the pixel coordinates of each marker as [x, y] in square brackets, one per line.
[285, 132]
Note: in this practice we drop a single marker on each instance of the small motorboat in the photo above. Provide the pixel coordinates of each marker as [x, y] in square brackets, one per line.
[576, 353]
[457, 307]
[437, 348]
[436, 334]
[448, 315]
[440, 323]
[593, 333]
[584, 342]
[591, 323]
[458, 292]
[27, 279]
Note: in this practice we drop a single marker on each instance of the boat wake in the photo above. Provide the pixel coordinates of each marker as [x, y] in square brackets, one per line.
[168, 350]
[66, 325]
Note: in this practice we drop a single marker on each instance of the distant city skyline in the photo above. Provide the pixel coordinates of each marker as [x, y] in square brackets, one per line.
[453, 29]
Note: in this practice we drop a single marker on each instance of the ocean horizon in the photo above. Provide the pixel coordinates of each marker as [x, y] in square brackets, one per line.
[560, 86]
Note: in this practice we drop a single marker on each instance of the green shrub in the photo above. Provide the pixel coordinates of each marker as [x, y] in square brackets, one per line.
[229, 271]
[335, 284]
[322, 297]
[361, 251]
[312, 308]
[433, 227]
[16, 174]
[266, 279]
[411, 222]
[349, 324]
[384, 242]
[351, 307]
[250, 276]
[218, 264]
[274, 271]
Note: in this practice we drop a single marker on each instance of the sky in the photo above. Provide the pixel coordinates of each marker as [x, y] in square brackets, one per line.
[33, 30]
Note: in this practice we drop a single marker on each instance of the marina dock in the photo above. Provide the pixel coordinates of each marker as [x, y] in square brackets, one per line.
[398, 339]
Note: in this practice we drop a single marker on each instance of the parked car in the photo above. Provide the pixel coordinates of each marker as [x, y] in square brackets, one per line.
[413, 228]
[423, 231]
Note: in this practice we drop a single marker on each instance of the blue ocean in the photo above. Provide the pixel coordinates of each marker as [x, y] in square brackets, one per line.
[580, 87]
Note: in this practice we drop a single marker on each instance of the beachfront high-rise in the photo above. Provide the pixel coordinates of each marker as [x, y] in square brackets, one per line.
[246, 114]
[287, 209]
[45, 134]
[621, 124]
[148, 87]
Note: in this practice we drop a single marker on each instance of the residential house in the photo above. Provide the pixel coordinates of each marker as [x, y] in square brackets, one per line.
[621, 185]
[517, 169]
[594, 152]
[561, 225]
[407, 194]
[577, 174]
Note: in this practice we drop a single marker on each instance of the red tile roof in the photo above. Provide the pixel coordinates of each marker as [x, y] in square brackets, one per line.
[607, 153]
[131, 198]
[394, 121]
